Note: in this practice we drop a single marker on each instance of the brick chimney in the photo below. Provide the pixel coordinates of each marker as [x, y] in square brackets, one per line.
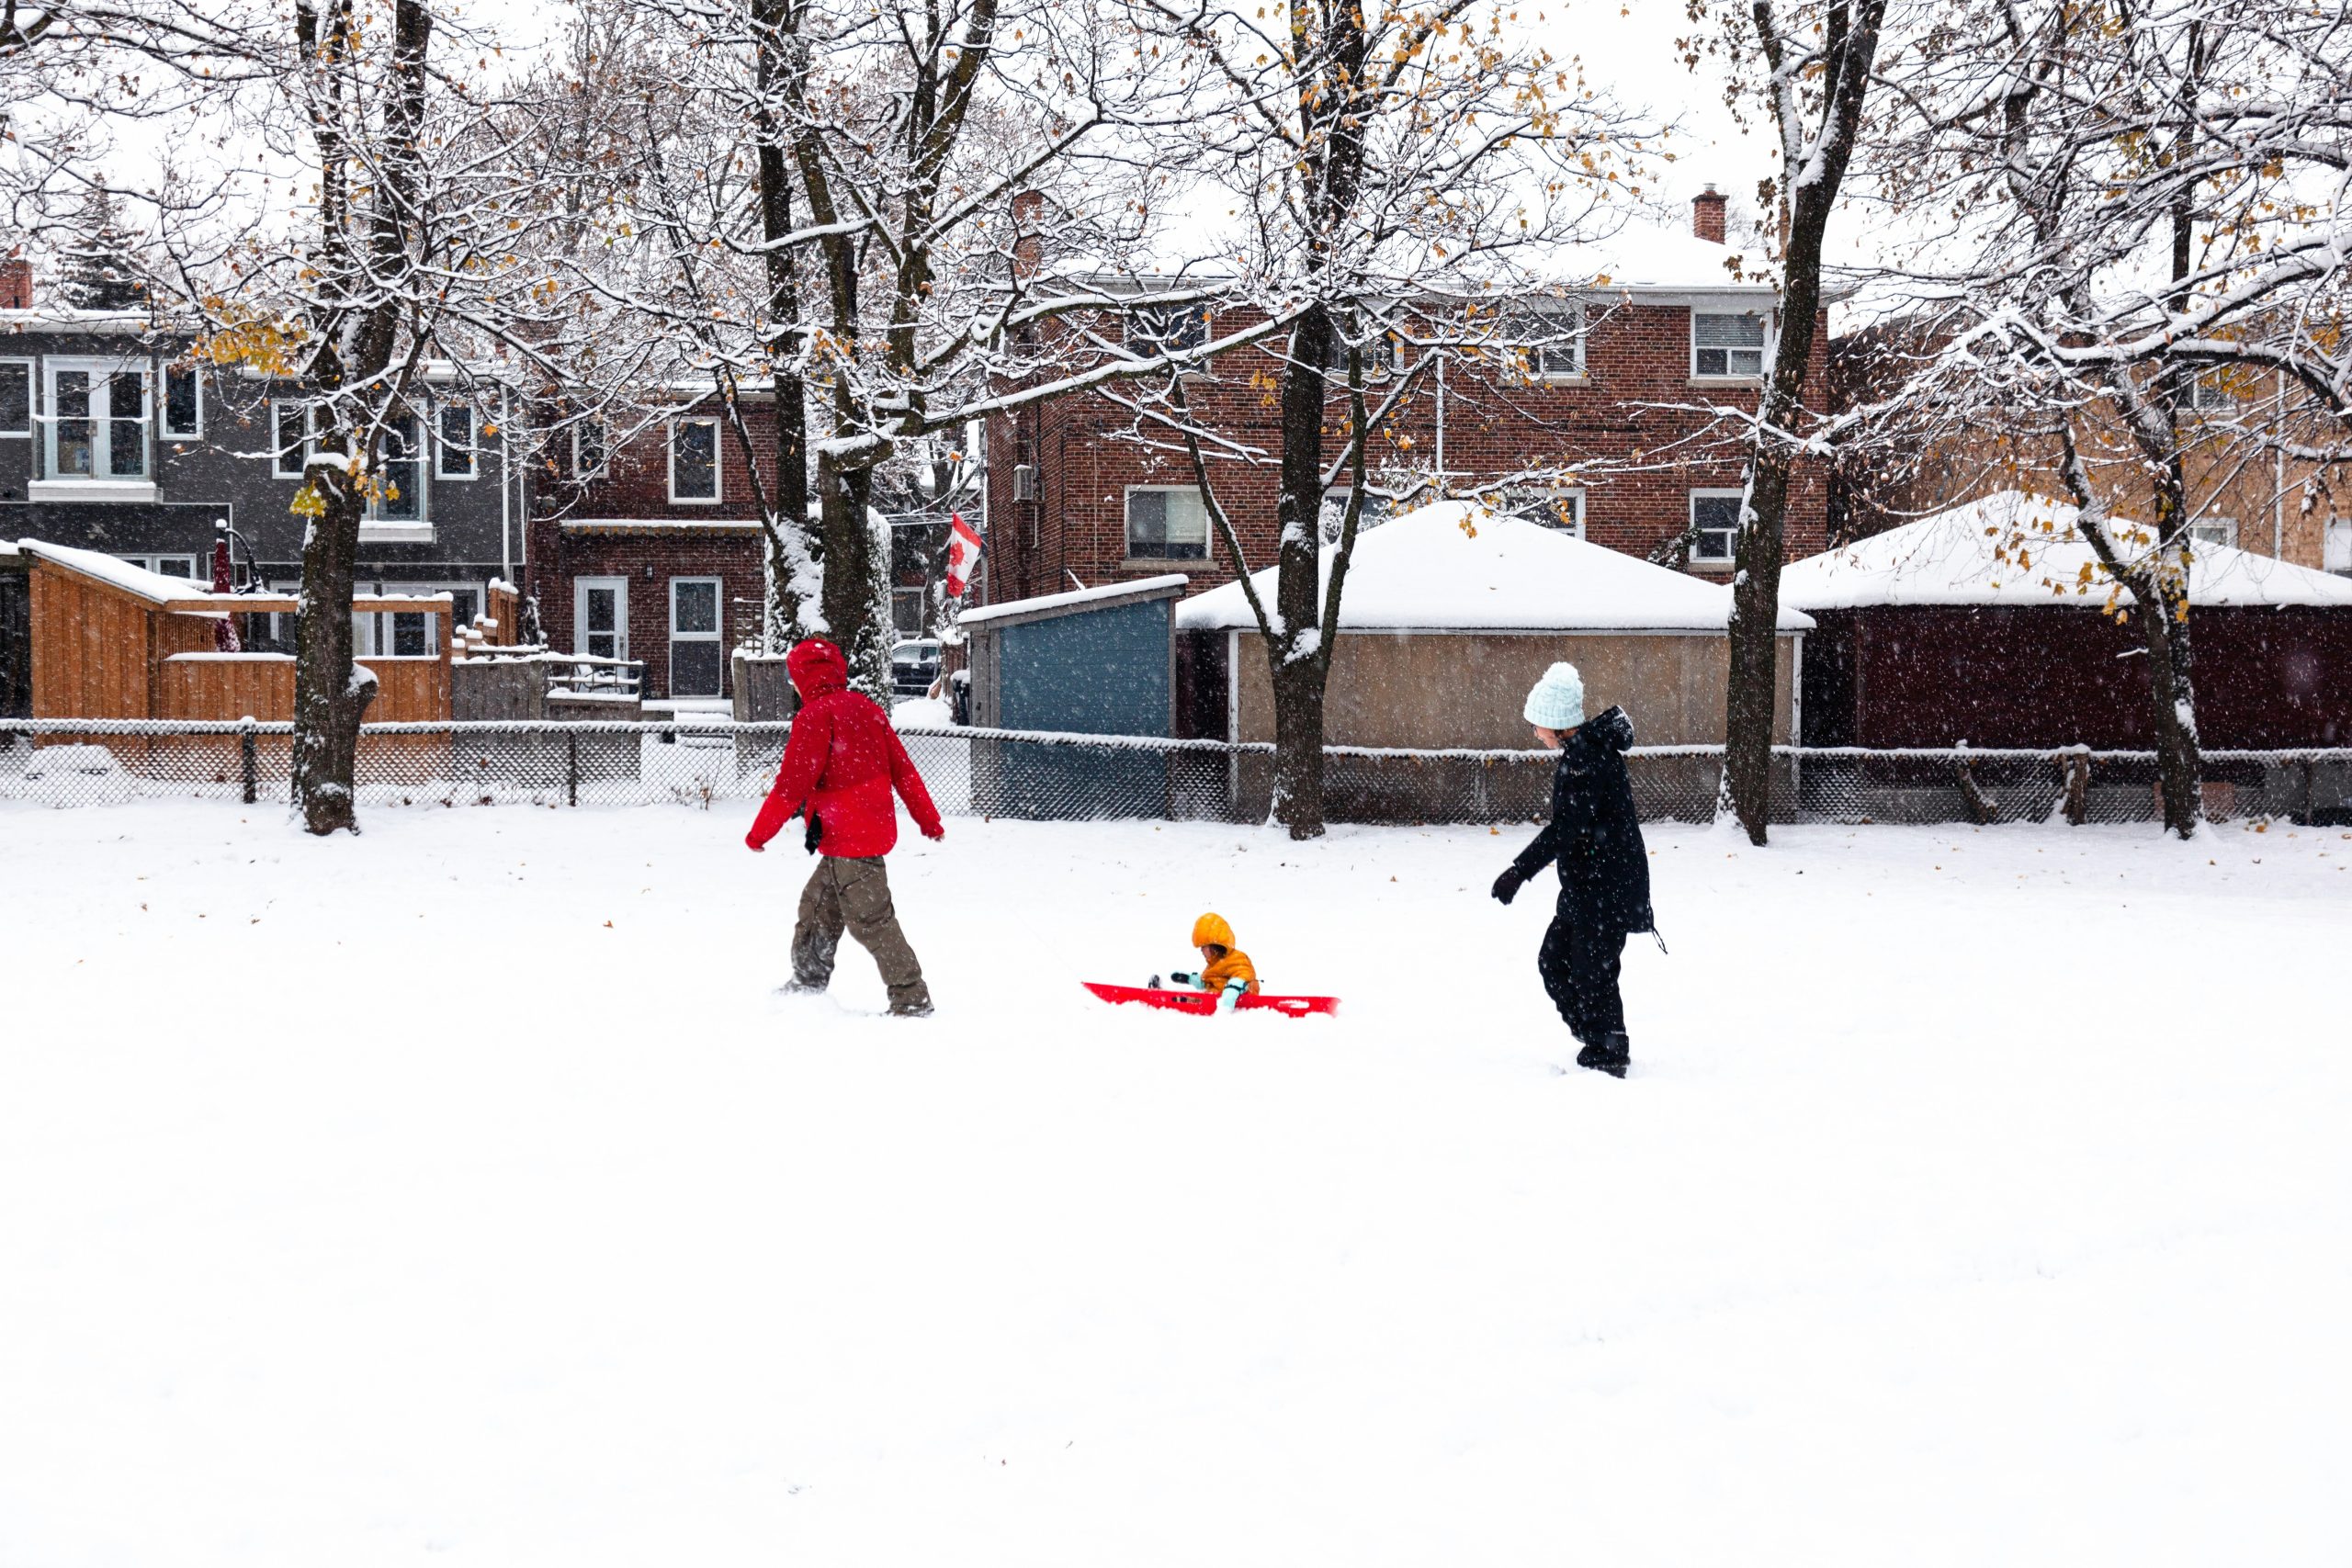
[1707, 214]
[15, 283]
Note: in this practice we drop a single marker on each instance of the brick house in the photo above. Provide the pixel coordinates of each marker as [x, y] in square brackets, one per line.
[648, 546]
[1074, 500]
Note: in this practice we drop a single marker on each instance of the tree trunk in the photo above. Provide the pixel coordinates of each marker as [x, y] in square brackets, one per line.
[1297, 661]
[2164, 626]
[846, 496]
[789, 541]
[1751, 698]
[330, 694]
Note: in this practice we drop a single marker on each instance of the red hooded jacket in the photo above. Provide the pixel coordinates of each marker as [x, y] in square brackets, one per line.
[842, 762]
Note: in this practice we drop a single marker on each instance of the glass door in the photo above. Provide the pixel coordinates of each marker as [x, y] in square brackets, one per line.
[697, 666]
[599, 616]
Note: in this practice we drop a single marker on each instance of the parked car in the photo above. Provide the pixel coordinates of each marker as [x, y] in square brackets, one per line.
[914, 665]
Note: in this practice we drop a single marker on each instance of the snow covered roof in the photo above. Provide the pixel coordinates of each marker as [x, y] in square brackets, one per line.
[2014, 547]
[136, 580]
[1076, 599]
[69, 318]
[1456, 566]
[1641, 258]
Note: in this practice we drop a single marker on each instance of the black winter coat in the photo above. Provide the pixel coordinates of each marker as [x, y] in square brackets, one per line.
[1594, 836]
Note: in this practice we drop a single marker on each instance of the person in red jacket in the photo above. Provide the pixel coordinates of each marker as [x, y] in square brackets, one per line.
[840, 766]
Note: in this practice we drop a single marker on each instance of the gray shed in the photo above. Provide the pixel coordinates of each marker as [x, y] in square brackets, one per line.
[1094, 662]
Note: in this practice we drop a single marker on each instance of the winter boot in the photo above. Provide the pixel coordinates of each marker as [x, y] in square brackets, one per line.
[1612, 1056]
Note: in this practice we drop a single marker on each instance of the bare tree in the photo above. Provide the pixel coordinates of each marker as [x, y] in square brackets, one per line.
[2119, 209]
[1393, 178]
[1809, 68]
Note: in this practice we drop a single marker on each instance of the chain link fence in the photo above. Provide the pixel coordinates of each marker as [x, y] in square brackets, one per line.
[1016, 773]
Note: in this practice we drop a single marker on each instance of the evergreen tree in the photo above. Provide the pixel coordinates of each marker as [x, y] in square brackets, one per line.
[99, 268]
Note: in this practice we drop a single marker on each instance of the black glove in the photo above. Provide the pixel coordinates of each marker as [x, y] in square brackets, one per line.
[815, 831]
[1508, 884]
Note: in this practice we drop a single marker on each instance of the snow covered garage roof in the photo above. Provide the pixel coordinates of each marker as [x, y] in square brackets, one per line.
[1456, 566]
[1046, 605]
[2014, 548]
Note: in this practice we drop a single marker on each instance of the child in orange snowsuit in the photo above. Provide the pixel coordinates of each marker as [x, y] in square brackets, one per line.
[1229, 975]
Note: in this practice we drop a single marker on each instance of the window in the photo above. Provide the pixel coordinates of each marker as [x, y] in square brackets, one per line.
[696, 663]
[15, 397]
[2211, 394]
[1377, 509]
[588, 450]
[292, 439]
[1727, 345]
[2214, 530]
[1557, 509]
[694, 459]
[1168, 329]
[2337, 544]
[410, 634]
[457, 442]
[1715, 526]
[1546, 340]
[166, 566]
[1166, 523]
[98, 428]
[182, 401]
[399, 465]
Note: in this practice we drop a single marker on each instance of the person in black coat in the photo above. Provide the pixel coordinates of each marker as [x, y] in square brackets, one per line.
[1596, 841]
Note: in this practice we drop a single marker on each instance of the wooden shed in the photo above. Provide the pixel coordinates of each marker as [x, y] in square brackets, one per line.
[1449, 614]
[112, 641]
[1992, 624]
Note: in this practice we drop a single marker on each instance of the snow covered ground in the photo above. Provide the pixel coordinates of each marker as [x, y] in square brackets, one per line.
[1978, 1197]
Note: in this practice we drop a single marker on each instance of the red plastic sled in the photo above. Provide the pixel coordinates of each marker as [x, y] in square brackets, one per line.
[1202, 1004]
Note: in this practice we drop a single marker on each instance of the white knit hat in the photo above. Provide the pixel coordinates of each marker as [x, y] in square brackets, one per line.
[1557, 701]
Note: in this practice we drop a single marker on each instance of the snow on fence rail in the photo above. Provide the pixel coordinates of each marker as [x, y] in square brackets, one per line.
[1000, 772]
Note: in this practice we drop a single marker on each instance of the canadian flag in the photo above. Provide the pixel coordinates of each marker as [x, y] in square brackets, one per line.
[963, 551]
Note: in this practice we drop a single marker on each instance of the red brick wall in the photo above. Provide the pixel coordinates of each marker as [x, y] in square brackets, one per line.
[647, 560]
[1637, 354]
[637, 474]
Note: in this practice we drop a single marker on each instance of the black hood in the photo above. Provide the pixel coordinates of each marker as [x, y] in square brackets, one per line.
[1611, 731]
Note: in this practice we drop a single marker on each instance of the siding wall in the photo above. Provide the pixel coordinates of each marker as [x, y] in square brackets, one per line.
[1439, 690]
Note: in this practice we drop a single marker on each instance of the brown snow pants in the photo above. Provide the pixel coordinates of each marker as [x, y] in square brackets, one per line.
[856, 895]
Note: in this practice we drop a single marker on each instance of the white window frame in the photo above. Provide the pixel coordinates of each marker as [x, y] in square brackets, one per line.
[1150, 331]
[1517, 318]
[1553, 496]
[377, 630]
[154, 563]
[2212, 529]
[716, 635]
[1763, 347]
[582, 473]
[195, 374]
[1126, 535]
[32, 400]
[472, 447]
[2335, 545]
[278, 453]
[580, 590]
[1690, 523]
[378, 529]
[102, 370]
[718, 463]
